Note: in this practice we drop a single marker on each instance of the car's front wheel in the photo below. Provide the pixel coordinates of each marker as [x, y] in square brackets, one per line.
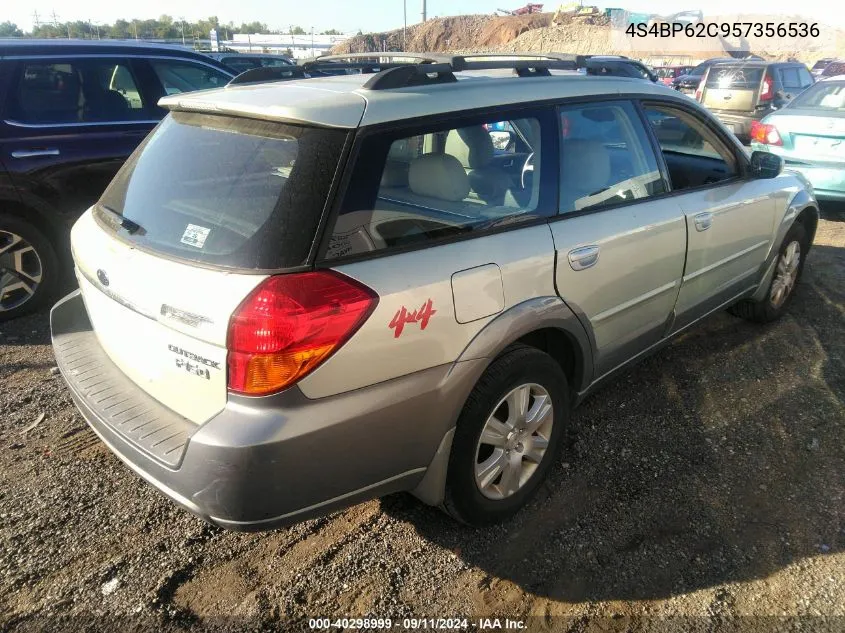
[507, 436]
[28, 268]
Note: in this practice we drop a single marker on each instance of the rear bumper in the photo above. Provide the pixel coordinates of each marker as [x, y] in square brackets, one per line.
[266, 462]
[739, 124]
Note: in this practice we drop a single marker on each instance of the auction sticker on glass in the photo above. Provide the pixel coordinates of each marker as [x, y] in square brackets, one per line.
[195, 235]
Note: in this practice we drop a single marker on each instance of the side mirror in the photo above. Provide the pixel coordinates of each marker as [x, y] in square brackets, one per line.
[765, 165]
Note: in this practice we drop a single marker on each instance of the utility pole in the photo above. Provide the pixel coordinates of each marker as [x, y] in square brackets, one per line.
[312, 41]
[35, 19]
[405, 26]
[182, 20]
[423, 10]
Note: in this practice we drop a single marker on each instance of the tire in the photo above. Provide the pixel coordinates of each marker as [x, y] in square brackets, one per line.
[28, 268]
[518, 367]
[769, 309]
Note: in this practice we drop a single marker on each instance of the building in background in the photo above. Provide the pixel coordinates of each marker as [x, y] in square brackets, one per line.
[300, 46]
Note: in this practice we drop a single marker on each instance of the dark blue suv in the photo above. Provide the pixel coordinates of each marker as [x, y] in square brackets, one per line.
[71, 112]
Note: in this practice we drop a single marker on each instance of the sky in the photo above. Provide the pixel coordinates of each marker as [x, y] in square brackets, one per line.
[364, 15]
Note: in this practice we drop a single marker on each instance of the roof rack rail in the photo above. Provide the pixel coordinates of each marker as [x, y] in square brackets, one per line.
[403, 70]
[266, 74]
[411, 75]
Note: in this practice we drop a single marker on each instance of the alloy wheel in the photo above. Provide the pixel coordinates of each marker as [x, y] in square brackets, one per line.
[786, 274]
[20, 271]
[513, 441]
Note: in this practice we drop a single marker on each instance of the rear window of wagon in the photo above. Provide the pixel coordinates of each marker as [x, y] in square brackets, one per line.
[225, 191]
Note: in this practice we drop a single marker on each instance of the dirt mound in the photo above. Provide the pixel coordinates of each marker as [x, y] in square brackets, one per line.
[587, 35]
[447, 34]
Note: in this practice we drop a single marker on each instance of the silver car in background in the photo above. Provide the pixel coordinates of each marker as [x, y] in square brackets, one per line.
[300, 295]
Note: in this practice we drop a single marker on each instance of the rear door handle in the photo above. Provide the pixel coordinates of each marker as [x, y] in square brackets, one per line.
[33, 153]
[703, 221]
[584, 257]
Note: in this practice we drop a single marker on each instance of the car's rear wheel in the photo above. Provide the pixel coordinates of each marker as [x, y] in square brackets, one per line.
[507, 436]
[28, 268]
[788, 269]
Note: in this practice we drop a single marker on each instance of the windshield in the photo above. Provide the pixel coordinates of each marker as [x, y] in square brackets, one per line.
[826, 95]
[225, 191]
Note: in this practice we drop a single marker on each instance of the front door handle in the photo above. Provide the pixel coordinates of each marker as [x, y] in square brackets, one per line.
[584, 257]
[703, 221]
[33, 153]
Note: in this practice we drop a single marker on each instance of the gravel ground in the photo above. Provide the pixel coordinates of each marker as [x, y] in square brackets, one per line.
[702, 491]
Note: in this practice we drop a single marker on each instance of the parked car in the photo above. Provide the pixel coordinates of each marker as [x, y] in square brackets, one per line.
[667, 74]
[300, 295]
[71, 112]
[809, 134]
[739, 93]
[834, 68]
[688, 83]
[820, 65]
[616, 66]
[241, 62]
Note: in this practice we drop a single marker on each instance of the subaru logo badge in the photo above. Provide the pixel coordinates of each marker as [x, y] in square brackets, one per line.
[103, 277]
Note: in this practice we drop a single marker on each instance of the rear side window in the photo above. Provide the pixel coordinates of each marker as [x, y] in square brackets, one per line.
[606, 157]
[241, 64]
[444, 181]
[225, 191]
[181, 76]
[738, 78]
[795, 78]
[76, 91]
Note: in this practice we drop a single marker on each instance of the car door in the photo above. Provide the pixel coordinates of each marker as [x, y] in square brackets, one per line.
[70, 123]
[730, 219]
[620, 244]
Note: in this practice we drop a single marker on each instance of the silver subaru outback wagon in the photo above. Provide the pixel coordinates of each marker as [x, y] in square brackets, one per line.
[299, 295]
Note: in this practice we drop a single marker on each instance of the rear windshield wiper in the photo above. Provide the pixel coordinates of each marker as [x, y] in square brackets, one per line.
[125, 223]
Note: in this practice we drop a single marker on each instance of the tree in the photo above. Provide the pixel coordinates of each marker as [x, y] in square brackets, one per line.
[297, 30]
[9, 29]
[331, 32]
[253, 27]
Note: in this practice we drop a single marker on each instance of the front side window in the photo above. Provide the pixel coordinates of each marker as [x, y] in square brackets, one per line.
[181, 76]
[441, 182]
[606, 158]
[694, 156]
[75, 91]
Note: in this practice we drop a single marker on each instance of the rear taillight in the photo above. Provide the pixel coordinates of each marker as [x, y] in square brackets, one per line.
[765, 133]
[289, 325]
[767, 92]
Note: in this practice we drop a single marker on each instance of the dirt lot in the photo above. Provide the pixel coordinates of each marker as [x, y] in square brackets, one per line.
[703, 491]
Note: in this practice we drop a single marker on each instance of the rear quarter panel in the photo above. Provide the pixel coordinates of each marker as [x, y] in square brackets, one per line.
[376, 353]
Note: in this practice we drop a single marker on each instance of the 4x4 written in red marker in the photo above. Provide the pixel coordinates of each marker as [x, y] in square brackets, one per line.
[402, 316]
